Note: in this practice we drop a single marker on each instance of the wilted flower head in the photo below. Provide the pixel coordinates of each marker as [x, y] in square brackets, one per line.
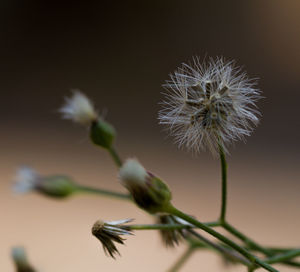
[209, 104]
[110, 232]
[57, 186]
[170, 237]
[148, 191]
[79, 109]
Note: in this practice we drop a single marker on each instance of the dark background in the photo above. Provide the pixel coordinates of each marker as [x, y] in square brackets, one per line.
[120, 53]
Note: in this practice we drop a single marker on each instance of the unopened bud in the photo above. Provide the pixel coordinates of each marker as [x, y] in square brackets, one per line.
[148, 191]
[102, 133]
[54, 186]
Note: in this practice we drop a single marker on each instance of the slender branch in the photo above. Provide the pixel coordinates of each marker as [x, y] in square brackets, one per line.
[245, 239]
[181, 261]
[283, 257]
[269, 252]
[224, 251]
[224, 183]
[103, 192]
[253, 259]
[112, 151]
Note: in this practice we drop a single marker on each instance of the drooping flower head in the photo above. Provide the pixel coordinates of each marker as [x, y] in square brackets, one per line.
[208, 105]
[110, 232]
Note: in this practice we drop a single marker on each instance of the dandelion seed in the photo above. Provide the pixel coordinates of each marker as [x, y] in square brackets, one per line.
[110, 232]
[79, 109]
[207, 105]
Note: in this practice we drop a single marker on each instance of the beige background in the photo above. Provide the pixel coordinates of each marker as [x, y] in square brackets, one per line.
[120, 54]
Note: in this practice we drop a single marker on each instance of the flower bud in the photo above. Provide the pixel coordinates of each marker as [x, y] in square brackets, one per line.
[148, 191]
[54, 186]
[20, 260]
[102, 133]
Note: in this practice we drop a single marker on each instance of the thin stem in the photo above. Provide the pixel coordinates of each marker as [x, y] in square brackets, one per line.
[245, 239]
[283, 257]
[224, 183]
[253, 259]
[255, 246]
[115, 156]
[180, 262]
[225, 251]
[103, 192]
[165, 226]
[159, 227]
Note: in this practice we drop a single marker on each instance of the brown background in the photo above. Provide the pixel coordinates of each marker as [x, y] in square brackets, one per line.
[119, 54]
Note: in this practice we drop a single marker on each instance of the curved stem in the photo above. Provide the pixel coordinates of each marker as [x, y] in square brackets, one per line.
[253, 259]
[103, 192]
[224, 183]
[180, 262]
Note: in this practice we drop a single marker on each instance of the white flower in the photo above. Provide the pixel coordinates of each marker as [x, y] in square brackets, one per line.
[26, 180]
[208, 105]
[110, 232]
[79, 108]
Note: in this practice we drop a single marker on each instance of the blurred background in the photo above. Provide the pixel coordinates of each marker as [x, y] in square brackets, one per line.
[120, 53]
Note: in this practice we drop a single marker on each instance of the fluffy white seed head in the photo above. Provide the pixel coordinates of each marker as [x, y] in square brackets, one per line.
[133, 173]
[209, 104]
[26, 180]
[79, 108]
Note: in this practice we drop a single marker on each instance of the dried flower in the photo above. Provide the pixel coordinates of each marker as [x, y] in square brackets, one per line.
[149, 192]
[79, 109]
[57, 186]
[170, 237]
[110, 232]
[208, 105]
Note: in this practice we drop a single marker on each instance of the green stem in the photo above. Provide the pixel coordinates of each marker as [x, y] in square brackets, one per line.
[253, 259]
[159, 227]
[165, 226]
[224, 251]
[224, 183]
[245, 239]
[103, 192]
[180, 262]
[112, 151]
[283, 257]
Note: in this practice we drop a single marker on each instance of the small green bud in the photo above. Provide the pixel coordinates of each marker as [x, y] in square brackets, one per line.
[20, 259]
[148, 191]
[56, 186]
[102, 133]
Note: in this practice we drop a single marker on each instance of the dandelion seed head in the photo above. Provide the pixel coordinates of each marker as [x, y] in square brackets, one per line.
[79, 108]
[209, 104]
